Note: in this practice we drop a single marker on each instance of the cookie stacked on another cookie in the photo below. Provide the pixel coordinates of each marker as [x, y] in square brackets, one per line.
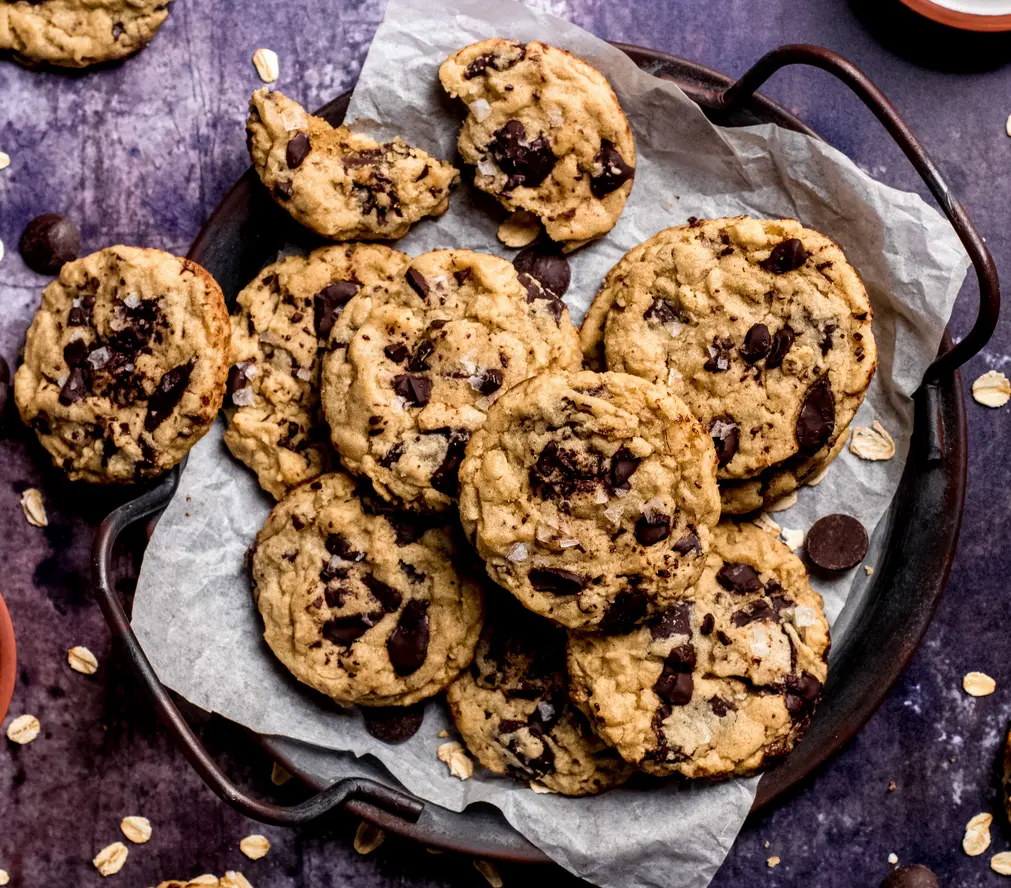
[125, 364]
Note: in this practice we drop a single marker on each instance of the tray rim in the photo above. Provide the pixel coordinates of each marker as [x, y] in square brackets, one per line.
[772, 112]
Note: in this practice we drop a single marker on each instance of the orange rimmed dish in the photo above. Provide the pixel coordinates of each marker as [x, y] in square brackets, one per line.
[967, 15]
[8, 660]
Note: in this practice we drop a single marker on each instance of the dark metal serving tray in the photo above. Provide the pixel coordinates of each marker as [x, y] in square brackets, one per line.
[244, 234]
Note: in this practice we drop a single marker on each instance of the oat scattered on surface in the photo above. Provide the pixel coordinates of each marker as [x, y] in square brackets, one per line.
[891, 786]
[765, 844]
[520, 229]
[456, 758]
[136, 829]
[893, 858]
[255, 846]
[209, 880]
[793, 538]
[540, 788]
[818, 477]
[4, 878]
[978, 684]
[265, 62]
[977, 835]
[278, 775]
[111, 858]
[233, 879]
[782, 504]
[34, 508]
[443, 733]
[773, 862]
[1001, 863]
[5, 161]
[868, 569]
[765, 522]
[205, 879]
[1007, 125]
[874, 443]
[487, 870]
[992, 389]
[23, 729]
[368, 838]
[82, 660]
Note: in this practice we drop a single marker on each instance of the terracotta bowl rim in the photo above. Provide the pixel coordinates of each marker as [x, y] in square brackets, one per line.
[8, 659]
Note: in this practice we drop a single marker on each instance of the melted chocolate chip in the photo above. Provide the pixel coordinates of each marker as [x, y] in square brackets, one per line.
[387, 596]
[802, 692]
[167, 395]
[675, 683]
[556, 581]
[74, 389]
[787, 256]
[627, 609]
[392, 455]
[676, 620]
[614, 171]
[757, 611]
[526, 163]
[816, 420]
[652, 528]
[297, 150]
[337, 544]
[726, 439]
[328, 303]
[547, 265]
[757, 344]
[708, 624]
[719, 355]
[343, 631]
[688, 543]
[417, 282]
[407, 645]
[535, 292]
[661, 311]
[836, 542]
[781, 344]
[739, 578]
[416, 390]
[49, 242]
[419, 359]
[237, 381]
[397, 353]
[393, 724]
[445, 479]
[623, 466]
[491, 381]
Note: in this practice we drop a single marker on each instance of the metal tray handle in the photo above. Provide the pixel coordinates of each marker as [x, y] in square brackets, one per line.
[392, 800]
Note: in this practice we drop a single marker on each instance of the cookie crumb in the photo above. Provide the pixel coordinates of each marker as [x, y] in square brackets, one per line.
[868, 569]
[23, 729]
[111, 858]
[520, 229]
[34, 508]
[265, 62]
[872, 443]
[492, 875]
[782, 504]
[992, 389]
[765, 844]
[1001, 863]
[540, 788]
[278, 775]
[136, 829]
[977, 835]
[891, 786]
[455, 756]
[978, 684]
[80, 659]
[773, 862]
[443, 733]
[368, 838]
[893, 858]
[254, 846]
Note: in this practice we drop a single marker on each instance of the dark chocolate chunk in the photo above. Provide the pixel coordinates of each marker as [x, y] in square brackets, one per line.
[445, 478]
[328, 303]
[392, 455]
[283, 189]
[337, 544]
[74, 388]
[661, 311]
[491, 381]
[802, 692]
[708, 624]
[407, 645]
[676, 620]
[781, 344]
[419, 359]
[675, 683]
[787, 256]
[719, 355]
[237, 380]
[387, 596]
[911, 876]
[297, 150]
[535, 291]
[721, 707]
[556, 581]
[757, 344]
[167, 395]
[343, 631]
[826, 340]
[652, 528]
[836, 542]
[623, 466]
[417, 282]
[48, 242]
[416, 390]
[627, 609]
[75, 351]
[739, 578]
[526, 163]
[614, 171]
[547, 265]
[754, 612]
[723, 637]
[726, 439]
[393, 724]
[688, 543]
[397, 353]
[816, 420]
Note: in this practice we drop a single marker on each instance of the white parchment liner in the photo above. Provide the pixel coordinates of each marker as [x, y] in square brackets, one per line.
[193, 611]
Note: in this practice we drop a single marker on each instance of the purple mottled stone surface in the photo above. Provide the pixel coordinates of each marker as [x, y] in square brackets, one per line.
[141, 152]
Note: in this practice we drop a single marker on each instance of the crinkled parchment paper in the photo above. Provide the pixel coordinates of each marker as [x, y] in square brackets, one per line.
[193, 610]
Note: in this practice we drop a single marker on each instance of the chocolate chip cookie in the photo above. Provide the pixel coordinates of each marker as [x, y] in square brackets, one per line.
[761, 326]
[413, 371]
[283, 321]
[513, 711]
[546, 133]
[360, 602]
[721, 684]
[125, 364]
[341, 184]
[78, 33]
[591, 497]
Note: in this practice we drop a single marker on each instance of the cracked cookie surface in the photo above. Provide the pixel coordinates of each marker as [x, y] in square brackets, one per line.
[78, 33]
[546, 134]
[361, 602]
[513, 711]
[591, 497]
[721, 684]
[761, 326]
[341, 184]
[125, 364]
[283, 320]
[412, 371]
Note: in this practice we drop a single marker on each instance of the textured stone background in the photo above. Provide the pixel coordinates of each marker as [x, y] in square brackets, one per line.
[141, 152]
